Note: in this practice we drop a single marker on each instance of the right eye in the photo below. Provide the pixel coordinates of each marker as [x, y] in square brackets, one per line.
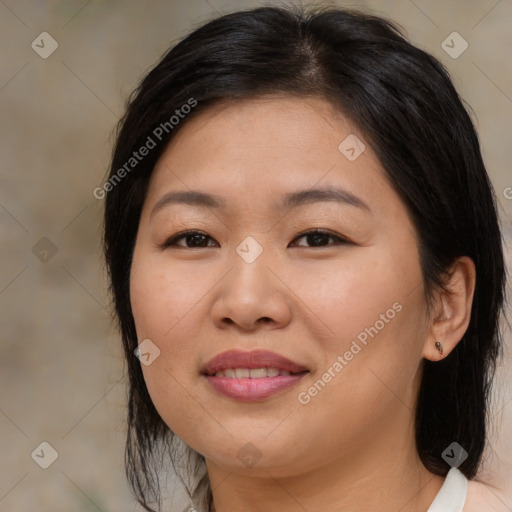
[193, 239]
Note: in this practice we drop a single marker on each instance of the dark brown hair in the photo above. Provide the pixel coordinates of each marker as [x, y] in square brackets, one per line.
[403, 102]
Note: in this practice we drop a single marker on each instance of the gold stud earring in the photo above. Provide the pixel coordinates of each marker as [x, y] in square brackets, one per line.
[439, 347]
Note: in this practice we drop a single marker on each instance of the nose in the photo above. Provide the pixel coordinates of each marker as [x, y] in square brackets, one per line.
[252, 296]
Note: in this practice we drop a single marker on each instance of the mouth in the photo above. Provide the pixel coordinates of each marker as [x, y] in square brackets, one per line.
[252, 376]
[252, 373]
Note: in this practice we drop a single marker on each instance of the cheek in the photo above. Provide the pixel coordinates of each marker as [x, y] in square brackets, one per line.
[361, 296]
[162, 296]
[374, 310]
[162, 305]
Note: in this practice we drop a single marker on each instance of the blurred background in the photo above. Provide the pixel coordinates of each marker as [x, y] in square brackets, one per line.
[66, 68]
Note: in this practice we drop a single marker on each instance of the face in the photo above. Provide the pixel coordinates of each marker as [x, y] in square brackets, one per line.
[299, 258]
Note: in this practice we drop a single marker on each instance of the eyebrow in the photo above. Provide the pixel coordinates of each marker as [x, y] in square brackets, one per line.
[290, 201]
[339, 195]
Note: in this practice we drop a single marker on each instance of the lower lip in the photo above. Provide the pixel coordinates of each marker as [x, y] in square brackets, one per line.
[252, 390]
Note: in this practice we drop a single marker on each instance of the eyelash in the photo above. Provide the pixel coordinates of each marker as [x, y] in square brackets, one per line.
[172, 240]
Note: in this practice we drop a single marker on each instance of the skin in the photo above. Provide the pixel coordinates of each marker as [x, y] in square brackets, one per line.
[482, 496]
[352, 446]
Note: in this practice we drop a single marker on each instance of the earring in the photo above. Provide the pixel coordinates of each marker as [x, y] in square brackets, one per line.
[439, 347]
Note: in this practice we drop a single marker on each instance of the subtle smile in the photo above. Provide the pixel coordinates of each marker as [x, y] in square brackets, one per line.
[252, 376]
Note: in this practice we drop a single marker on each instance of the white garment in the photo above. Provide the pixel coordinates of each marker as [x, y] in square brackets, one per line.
[452, 495]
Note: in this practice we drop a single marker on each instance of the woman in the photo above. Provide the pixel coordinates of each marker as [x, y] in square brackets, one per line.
[305, 257]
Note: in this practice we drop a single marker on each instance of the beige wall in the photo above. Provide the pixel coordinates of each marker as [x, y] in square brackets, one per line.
[61, 365]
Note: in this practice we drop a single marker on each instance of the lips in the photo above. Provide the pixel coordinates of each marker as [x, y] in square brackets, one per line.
[252, 376]
[251, 360]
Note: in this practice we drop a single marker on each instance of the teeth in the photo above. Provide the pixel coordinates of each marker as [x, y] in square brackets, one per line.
[258, 373]
[253, 373]
[242, 373]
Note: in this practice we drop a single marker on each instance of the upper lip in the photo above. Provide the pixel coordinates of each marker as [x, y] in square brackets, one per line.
[251, 359]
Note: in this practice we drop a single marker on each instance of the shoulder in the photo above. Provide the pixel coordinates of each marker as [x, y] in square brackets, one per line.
[482, 496]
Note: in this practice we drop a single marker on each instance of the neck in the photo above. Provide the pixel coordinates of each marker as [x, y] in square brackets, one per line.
[383, 472]
[409, 491]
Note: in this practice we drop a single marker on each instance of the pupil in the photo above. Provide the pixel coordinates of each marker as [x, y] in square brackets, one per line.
[191, 238]
[317, 238]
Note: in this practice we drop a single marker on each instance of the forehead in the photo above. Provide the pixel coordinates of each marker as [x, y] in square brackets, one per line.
[260, 149]
[278, 124]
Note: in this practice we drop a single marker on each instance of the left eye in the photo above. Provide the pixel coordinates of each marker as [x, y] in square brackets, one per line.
[319, 238]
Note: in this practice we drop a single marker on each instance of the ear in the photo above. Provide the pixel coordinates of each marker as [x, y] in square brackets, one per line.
[452, 310]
